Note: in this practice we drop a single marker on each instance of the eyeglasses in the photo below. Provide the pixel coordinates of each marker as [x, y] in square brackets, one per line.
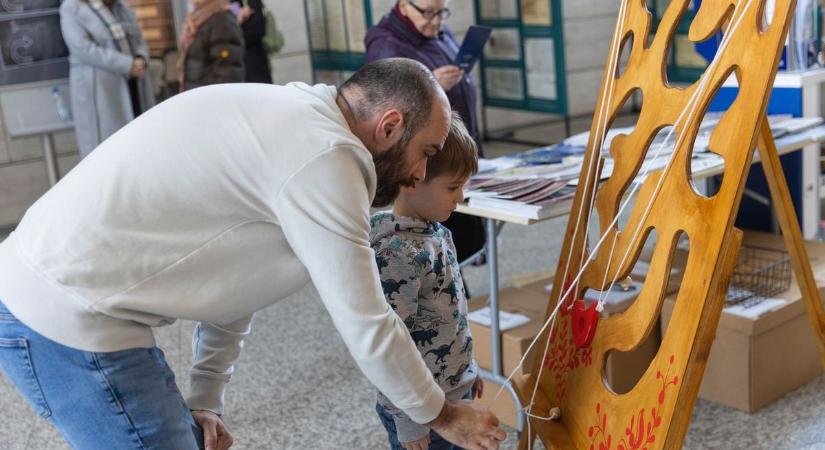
[431, 14]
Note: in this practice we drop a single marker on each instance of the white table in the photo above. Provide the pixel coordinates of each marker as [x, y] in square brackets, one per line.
[809, 83]
[495, 220]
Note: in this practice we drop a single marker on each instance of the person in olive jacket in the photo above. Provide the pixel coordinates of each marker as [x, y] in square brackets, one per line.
[212, 46]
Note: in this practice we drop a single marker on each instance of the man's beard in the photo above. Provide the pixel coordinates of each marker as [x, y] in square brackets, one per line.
[392, 173]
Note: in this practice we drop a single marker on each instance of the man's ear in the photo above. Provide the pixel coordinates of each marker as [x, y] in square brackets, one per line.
[389, 129]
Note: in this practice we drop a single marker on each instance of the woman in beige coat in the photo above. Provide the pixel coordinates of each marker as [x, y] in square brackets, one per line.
[108, 59]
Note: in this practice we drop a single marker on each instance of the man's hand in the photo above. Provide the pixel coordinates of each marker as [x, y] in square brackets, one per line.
[468, 426]
[420, 444]
[216, 435]
[478, 388]
[448, 76]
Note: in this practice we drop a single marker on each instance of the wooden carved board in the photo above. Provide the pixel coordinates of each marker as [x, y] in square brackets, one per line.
[656, 412]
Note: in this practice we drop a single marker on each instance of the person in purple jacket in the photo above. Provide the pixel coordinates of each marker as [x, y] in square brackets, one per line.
[415, 29]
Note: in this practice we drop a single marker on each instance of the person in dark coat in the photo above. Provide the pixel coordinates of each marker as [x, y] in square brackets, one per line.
[408, 32]
[253, 23]
[416, 30]
[212, 46]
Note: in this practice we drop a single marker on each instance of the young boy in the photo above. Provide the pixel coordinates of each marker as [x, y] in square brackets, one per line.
[422, 283]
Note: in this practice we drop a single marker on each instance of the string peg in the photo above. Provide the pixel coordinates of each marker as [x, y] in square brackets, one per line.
[626, 284]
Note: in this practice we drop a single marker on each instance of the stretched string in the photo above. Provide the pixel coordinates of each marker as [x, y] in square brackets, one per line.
[601, 127]
[601, 130]
[592, 170]
[692, 104]
[541, 368]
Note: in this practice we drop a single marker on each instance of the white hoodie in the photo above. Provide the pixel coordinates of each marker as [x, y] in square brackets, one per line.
[209, 207]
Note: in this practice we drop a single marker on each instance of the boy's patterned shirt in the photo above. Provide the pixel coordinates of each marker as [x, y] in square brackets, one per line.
[422, 283]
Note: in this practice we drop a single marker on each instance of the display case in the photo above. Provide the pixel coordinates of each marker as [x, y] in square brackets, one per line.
[336, 37]
[685, 64]
[523, 65]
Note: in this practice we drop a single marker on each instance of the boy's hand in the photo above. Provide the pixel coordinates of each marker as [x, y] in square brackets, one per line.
[478, 388]
[420, 444]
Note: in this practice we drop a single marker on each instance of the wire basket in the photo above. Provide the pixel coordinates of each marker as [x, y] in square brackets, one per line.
[759, 273]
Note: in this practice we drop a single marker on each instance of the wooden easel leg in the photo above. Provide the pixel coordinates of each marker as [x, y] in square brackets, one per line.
[786, 215]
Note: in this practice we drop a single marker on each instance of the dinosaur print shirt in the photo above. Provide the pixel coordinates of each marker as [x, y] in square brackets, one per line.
[422, 283]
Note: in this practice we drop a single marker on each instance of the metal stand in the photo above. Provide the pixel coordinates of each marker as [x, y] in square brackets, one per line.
[52, 170]
[40, 110]
[496, 375]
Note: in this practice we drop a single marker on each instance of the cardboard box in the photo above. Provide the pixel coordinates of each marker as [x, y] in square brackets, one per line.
[756, 360]
[529, 300]
[514, 342]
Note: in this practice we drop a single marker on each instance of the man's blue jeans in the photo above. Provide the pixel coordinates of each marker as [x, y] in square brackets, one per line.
[121, 400]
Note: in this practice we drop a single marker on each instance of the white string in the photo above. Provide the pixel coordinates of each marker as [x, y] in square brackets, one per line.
[541, 367]
[592, 170]
[601, 133]
[600, 128]
[603, 294]
[691, 105]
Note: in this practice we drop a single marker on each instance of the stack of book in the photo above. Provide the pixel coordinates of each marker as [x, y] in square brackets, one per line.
[535, 198]
[535, 184]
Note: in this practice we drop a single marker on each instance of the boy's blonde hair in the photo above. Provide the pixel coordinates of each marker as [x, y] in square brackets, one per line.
[459, 156]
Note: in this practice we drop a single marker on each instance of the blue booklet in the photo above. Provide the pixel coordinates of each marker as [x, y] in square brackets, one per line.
[472, 47]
